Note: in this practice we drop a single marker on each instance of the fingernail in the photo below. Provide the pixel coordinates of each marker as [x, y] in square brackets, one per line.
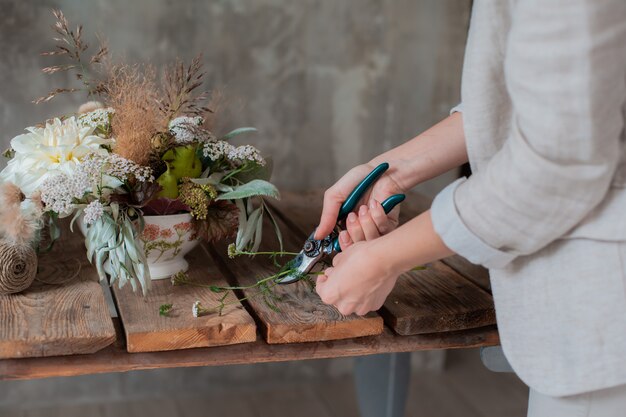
[373, 204]
[363, 211]
[343, 237]
[351, 218]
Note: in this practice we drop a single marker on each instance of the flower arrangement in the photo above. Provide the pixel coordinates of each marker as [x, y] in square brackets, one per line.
[145, 147]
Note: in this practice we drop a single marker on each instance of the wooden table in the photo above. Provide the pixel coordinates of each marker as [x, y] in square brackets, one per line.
[62, 326]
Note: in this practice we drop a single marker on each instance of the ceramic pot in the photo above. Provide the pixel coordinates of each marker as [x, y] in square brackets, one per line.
[165, 241]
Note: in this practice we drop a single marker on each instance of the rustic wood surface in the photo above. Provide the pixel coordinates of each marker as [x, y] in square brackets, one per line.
[475, 273]
[115, 358]
[418, 203]
[72, 316]
[147, 331]
[437, 299]
[300, 315]
[64, 312]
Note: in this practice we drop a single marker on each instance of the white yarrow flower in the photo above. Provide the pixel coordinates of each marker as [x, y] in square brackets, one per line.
[195, 309]
[59, 191]
[93, 212]
[116, 167]
[44, 152]
[246, 153]
[217, 149]
[98, 118]
[186, 129]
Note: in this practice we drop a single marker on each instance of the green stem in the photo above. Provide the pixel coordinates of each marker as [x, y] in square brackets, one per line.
[245, 287]
[279, 253]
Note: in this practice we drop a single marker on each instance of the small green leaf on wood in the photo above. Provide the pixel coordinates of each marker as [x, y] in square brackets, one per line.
[165, 309]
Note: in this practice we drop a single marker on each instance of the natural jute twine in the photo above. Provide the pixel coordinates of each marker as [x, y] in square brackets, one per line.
[18, 267]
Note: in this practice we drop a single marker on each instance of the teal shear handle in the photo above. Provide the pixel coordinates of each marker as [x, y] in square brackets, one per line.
[355, 196]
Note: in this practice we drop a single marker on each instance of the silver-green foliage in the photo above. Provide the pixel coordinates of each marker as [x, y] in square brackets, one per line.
[112, 238]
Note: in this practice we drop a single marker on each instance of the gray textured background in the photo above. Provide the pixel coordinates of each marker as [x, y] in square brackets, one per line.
[329, 83]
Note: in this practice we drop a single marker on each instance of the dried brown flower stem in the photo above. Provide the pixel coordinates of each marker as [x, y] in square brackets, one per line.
[179, 84]
[71, 45]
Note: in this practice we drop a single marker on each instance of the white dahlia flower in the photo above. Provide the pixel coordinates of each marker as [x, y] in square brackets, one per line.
[46, 151]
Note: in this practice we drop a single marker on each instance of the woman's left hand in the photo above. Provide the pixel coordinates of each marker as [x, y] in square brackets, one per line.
[359, 280]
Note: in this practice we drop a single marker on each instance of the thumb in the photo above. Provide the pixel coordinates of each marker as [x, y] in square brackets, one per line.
[328, 219]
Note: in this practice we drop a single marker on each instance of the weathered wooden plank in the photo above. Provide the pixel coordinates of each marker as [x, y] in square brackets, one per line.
[64, 312]
[301, 315]
[475, 273]
[416, 204]
[147, 331]
[437, 299]
[115, 358]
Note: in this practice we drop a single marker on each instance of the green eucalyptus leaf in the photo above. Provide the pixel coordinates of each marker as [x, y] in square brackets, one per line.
[257, 171]
[100, 258]
[277, 231]
[212, 179]
[251, 189]
[258, 234]
[76, 216]
[237, 132]
[243, 219]
[250, 228]
[115, 211]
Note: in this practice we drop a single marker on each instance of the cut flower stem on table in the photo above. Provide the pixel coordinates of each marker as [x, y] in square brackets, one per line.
[263, 286]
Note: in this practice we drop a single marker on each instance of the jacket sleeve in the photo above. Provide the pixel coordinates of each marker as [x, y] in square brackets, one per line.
[565, 71]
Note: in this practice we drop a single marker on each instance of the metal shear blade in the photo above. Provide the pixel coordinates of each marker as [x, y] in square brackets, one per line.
[309, 256]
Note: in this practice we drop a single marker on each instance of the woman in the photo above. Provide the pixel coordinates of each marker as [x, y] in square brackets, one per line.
[542, 125]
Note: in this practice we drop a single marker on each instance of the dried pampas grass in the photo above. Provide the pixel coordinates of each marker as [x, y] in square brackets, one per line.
[180, 95]
[19, 227]
[132, 93]
[90, 106]
[10, 195]
[18, 224]
[38, 205]
[74, 51]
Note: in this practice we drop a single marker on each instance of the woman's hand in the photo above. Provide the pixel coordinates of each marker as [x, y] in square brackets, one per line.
[359, 280]
[368, 286]
[437, 150]
[334, 197]
[370, 222]
[365, 272]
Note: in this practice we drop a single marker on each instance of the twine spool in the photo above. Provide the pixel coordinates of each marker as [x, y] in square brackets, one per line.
[18, 267]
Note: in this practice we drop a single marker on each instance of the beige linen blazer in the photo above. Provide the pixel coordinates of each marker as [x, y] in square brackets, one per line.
[544, 93]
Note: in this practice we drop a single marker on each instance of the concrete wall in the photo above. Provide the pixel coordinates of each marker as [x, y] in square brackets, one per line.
[329, 83]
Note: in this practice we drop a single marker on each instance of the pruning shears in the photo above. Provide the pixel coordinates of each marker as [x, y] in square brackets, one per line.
[314, 250]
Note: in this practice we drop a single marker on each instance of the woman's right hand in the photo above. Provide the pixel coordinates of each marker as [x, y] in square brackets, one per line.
[334, 197]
